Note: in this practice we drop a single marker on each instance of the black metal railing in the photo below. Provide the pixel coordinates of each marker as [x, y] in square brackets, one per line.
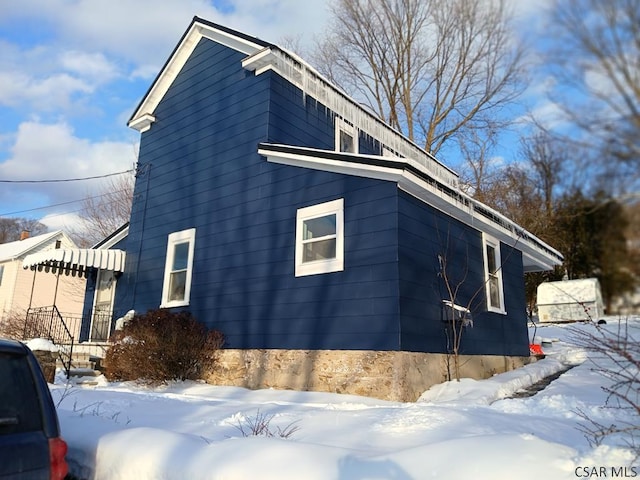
[100, 325]
[46, 322]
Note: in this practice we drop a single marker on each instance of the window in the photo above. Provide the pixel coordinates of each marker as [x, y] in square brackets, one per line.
[346, 137]
[176, 288]
[320, 238]
[493, 275]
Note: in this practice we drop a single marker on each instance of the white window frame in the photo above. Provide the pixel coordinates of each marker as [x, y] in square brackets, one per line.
[488, 241]
[352, 131]
[174, 239]
[334, 207]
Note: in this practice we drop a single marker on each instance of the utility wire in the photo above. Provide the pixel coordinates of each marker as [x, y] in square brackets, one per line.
[59, 204]
[68, 179]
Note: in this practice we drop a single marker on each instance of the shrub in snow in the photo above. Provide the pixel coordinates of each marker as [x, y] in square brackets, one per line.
[160, 346]
[12, 325]
[260, 426]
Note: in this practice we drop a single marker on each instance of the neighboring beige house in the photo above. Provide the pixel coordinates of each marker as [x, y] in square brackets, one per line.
[21, 289]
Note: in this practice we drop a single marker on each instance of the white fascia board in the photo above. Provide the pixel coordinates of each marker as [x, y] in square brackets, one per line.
[330, 165]
[313, 84]
[143, 117]
[534, 258]
[142, 122]
[260, 61]
[115, 239]
[227, 39]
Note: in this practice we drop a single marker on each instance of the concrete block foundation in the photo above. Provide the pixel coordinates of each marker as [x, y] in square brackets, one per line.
[388, 375]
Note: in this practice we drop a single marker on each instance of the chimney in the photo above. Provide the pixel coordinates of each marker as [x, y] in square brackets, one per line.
[24, 234]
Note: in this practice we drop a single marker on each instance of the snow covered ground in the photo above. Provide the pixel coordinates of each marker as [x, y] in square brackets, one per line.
[465, 430]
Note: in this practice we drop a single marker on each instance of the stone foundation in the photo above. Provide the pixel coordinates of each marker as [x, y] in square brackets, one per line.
[47, 361]
[398, 376]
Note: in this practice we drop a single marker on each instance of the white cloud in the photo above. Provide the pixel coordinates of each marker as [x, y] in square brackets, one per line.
[66, 222]
[90, 65]
[145, 31]
[46, 94]
[52, 152]
[43, 79]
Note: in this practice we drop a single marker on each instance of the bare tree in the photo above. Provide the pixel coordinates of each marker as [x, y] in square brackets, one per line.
[462, 296]
[479, 171]
[597, 59]
[103, 213]
[430, 68]
[549, 160]
[11, 228]
[526, 192]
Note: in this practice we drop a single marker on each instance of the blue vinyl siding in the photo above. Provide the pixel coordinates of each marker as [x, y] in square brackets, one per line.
[199, 168]
[426, 233]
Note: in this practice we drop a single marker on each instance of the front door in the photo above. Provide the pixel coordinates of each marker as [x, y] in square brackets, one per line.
[103, 306]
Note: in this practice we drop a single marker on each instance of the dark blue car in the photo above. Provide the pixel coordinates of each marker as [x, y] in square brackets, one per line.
[30, 442]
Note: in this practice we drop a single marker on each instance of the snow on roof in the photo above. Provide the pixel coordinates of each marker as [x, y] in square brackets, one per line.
[20, 248]
[262, 56]
[569, 291]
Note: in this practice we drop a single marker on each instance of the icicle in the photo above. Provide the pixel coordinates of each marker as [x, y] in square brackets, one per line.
[312, 84]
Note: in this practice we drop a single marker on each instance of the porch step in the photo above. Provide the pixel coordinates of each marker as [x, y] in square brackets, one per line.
[84, 365]
[85, 376]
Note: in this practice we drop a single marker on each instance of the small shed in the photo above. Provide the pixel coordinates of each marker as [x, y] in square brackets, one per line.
[570, 301]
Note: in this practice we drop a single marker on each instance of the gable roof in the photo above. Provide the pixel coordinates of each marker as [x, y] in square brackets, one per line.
[115, 237]
[414, 169]
[263, 56]
[20, 248]
[199, 28]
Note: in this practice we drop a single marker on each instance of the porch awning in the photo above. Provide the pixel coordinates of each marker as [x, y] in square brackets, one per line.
[75, 261]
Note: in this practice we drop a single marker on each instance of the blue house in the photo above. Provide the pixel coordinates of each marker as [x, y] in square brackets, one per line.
[278, 210]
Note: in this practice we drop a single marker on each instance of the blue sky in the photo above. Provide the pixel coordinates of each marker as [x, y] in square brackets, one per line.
[72, 72]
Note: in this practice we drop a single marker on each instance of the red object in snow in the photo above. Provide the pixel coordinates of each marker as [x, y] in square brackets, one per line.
[536, 349]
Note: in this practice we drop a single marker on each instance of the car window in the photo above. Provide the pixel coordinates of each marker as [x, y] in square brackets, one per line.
[19, 401]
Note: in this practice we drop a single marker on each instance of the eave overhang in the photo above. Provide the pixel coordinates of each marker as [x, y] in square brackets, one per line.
[262, 57]
[143, 117]
[413, 179]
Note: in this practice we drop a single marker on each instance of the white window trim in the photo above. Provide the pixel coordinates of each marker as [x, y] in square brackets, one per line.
[495, 243]
[173, 239]
[349, 129]
[327, 265]
[95, 298]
